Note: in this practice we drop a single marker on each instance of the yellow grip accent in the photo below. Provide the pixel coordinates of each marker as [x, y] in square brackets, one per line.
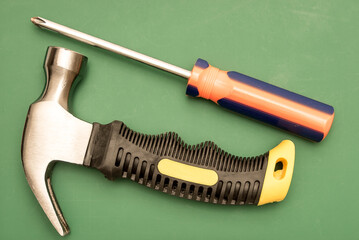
[187, 172]
[276, 183]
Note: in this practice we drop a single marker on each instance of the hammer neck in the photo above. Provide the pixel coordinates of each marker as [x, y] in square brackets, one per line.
[58, 86]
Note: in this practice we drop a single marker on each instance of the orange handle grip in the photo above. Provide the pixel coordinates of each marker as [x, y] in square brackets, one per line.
[262, 101]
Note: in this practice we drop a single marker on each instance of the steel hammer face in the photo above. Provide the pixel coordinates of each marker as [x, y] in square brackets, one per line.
[51, 133]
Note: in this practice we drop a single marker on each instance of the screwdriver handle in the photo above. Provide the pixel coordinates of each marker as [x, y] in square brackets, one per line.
[262, 101]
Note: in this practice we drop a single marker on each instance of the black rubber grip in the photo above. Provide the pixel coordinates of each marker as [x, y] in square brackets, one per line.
[119, 152]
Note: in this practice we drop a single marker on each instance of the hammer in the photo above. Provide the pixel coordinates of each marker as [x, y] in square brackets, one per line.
[163, 162]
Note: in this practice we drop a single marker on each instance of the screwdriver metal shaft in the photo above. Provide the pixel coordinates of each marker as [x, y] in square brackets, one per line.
[97, 42]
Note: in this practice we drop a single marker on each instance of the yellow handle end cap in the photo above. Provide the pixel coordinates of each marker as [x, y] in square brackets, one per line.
[279, 173]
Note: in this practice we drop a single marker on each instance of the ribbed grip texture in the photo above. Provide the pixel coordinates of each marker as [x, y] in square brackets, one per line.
[119, 152]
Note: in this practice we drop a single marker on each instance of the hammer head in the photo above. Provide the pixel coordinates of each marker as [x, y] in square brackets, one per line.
[51, 133]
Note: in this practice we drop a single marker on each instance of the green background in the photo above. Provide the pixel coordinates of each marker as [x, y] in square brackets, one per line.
[309, 47]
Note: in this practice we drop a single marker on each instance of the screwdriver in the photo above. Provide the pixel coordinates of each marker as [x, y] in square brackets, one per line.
[232, 90]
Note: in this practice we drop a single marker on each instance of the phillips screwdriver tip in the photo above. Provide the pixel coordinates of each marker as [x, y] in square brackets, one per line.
[38, 21]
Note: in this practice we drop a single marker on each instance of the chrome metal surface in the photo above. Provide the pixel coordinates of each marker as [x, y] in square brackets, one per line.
[63, 68]
[97, 42]
[51, 133]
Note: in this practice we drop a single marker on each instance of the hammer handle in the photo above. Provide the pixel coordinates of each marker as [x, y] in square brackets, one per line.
[200, 172]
